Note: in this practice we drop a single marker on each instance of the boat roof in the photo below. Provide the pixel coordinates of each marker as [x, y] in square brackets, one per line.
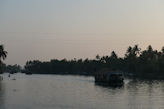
[110, 72]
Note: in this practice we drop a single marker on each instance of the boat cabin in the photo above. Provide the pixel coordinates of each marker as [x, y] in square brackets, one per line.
[109, 77]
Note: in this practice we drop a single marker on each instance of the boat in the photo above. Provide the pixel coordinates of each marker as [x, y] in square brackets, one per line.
[28, 73]
[110, 78]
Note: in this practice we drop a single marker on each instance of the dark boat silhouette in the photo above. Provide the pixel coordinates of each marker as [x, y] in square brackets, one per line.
[28, 73]
[109, 78]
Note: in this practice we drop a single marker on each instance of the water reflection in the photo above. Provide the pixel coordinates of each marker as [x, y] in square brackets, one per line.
[109, 86]
[145, 94]
[78, 92]
[135, 94]
[2, 93]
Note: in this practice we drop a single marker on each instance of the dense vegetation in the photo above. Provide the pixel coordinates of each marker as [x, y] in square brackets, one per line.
[147, 63]
[11, 68]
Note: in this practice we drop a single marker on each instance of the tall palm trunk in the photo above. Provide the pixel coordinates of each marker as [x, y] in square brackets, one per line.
[0, 66]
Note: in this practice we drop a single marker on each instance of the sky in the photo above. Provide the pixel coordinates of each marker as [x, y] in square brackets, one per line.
[48, 29]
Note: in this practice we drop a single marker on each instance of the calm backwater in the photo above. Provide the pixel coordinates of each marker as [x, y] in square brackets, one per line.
[77, 92]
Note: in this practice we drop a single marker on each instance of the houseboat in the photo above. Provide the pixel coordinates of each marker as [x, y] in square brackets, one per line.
[110, 77]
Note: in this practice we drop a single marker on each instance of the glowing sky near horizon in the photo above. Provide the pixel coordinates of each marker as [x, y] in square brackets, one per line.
[48, 29]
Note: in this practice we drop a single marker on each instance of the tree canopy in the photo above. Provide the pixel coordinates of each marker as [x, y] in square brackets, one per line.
[146, 63]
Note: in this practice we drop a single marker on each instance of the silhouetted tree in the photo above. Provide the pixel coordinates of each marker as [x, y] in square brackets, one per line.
[3, 55]
[131, 58]
[113, 55]
[97, 57]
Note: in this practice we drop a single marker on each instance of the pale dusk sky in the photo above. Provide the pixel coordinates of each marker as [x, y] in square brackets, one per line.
[48, 29]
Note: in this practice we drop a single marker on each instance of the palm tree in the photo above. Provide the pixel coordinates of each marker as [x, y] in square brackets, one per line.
[97, 57]
[162, 49]
[3, 56]
[113, 55]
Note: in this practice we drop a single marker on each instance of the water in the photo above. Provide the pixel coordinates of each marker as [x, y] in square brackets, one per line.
[77, 92]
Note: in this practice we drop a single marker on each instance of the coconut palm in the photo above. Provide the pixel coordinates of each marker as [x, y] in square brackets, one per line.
[113, 55]
[3, 56]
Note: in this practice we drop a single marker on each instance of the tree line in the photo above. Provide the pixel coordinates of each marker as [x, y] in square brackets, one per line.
[146, 63]
[139, 63]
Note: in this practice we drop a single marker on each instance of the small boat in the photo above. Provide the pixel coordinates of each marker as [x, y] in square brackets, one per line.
[110, 78]
[13, 79]
[28, 73]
